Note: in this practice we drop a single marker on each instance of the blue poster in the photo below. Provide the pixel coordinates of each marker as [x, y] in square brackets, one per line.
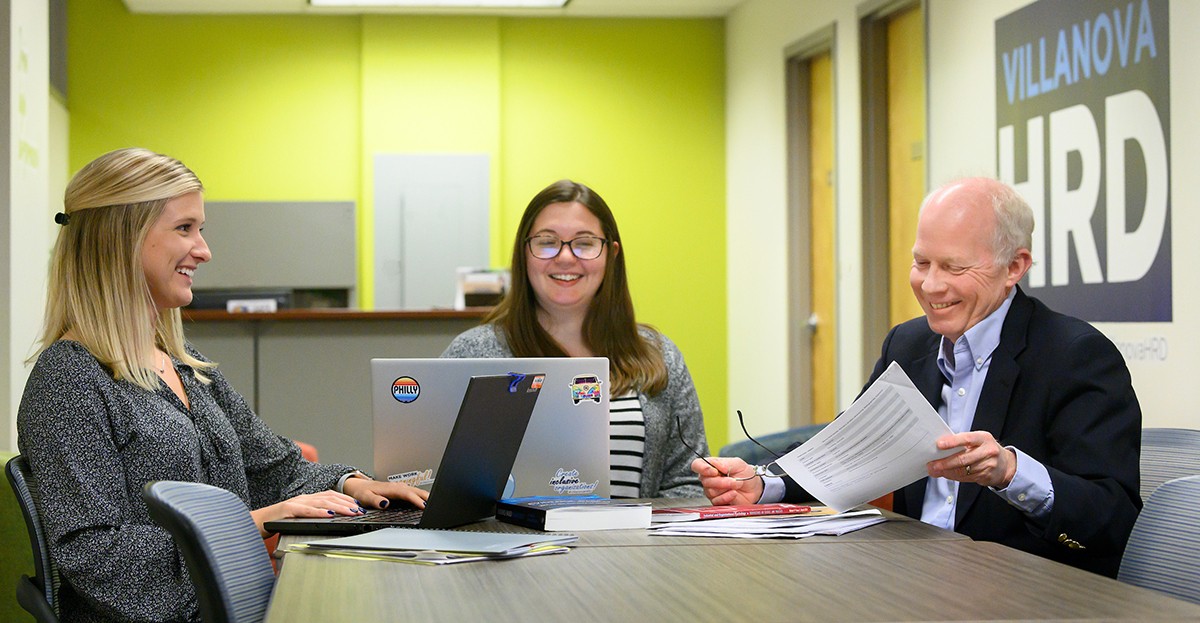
[1083, 133]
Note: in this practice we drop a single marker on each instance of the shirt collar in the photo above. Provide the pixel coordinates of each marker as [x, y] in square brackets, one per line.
[980, 340]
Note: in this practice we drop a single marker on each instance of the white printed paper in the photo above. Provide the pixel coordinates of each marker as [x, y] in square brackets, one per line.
[878, 445]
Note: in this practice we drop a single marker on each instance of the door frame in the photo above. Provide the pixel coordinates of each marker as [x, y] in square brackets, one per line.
[799, 209]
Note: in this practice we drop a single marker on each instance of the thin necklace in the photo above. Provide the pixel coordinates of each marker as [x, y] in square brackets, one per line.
[163, 368]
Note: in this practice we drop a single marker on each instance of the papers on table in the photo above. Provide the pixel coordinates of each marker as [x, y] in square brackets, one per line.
[820, 521]
[880, 444]
[437, 547]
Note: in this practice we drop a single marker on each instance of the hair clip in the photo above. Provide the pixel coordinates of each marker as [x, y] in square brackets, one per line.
[62, 218]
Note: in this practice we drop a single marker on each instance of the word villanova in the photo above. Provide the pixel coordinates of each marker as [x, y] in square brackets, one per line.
[1089, 47]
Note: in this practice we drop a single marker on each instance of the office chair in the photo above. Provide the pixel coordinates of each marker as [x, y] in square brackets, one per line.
[1163, 553]
[37, 595]
[1167, 454]
[225, 558]
[780, 442]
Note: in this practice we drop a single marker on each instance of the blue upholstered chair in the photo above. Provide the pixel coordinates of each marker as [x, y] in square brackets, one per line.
[779, 442]
[1163, 553]
[225, 557]
[1167, 454]
[37, 595]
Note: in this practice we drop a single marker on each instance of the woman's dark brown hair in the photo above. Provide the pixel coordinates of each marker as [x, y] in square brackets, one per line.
[609, 329]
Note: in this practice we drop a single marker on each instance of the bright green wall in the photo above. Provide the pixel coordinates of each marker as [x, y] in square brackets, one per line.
[295, 107]
[635, 110]
[262, 108]
[411, 106]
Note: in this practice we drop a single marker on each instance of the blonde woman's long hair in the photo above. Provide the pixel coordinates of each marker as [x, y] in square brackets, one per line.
[97, 287]
[609, 328]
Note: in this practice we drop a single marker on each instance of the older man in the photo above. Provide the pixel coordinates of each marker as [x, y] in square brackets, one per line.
[1041, 403]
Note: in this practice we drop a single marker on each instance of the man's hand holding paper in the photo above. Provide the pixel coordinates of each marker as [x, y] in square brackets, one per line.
[887, 439]
[984, 462]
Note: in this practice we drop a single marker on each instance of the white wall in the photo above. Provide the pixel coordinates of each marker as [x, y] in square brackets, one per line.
[961, 96]
[757, 33]
[25, 216]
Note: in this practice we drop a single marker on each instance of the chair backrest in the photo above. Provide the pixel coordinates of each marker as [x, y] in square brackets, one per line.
[1167, 454]
[225, 557]
[779, 442]
[1164, 548]
[37, 595]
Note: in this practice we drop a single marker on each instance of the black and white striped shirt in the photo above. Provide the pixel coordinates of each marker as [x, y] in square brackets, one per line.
[627, 445]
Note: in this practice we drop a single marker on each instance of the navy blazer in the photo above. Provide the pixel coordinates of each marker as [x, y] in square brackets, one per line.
[1060, 391]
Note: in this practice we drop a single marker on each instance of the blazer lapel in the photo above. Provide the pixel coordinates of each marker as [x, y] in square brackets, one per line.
[1002, 374]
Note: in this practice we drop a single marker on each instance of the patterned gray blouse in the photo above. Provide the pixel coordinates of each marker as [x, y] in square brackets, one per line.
[92, 443]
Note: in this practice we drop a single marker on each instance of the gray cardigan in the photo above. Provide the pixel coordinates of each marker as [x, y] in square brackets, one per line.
[666, 465]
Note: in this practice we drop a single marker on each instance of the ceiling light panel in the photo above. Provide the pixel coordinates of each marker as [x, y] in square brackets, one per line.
[491, 4]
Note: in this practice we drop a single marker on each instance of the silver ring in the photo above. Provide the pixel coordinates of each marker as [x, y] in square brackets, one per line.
[968, 470]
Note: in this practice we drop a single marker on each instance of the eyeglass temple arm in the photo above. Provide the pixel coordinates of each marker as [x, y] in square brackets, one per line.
[742, 422]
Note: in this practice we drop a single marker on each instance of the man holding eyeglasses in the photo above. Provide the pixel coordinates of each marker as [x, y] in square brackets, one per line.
[1042, 403]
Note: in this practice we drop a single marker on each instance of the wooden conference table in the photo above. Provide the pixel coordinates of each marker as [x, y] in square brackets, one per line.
[901, 570]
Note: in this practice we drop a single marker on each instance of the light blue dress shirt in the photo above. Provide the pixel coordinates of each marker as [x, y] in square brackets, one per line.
[964, 364]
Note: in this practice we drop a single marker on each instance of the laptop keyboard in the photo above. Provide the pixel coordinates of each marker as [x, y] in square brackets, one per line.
[397, 516]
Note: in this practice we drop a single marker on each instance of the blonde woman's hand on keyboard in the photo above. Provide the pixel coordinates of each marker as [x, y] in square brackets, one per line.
[328, 503]
[379, 493]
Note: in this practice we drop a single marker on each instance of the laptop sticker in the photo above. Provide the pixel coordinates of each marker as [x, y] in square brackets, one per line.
[585, 387]
[406, 389]
[413, 478]
[566, 482]
[514, 379]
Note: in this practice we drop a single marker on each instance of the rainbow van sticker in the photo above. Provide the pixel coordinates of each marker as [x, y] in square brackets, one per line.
[585, 387]
[406, 389]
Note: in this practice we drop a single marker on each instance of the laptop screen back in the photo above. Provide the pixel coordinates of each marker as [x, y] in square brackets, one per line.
[565, 451]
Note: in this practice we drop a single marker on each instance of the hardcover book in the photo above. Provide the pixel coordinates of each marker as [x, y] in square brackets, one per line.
[573, 513]
[696, 513]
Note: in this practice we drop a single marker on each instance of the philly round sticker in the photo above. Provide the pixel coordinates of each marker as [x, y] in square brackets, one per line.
[406, 389]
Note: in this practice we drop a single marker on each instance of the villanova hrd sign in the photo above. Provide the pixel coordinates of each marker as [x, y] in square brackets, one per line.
[1083, 132]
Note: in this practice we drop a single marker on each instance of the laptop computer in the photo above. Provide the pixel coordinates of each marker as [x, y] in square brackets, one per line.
[473, 469]
[566, 448]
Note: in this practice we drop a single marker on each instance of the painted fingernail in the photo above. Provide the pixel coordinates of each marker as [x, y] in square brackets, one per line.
[330, 512]
[383, 504]
[362, 510]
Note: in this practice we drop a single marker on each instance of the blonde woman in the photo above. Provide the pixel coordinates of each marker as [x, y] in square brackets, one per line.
[117, 398]
[570, 298]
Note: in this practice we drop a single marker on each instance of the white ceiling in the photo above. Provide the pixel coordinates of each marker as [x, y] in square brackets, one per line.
[574, 8]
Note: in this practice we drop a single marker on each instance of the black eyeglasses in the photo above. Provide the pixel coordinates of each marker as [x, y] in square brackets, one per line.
[547, 247]
[759, 470]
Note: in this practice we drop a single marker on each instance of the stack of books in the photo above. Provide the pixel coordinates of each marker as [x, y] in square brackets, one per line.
[436, 547]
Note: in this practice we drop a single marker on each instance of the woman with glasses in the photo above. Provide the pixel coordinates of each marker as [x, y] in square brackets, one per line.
[570, 298]
[117, 398]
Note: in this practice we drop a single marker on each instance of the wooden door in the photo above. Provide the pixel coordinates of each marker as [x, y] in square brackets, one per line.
[906, 153]
[822, 231]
